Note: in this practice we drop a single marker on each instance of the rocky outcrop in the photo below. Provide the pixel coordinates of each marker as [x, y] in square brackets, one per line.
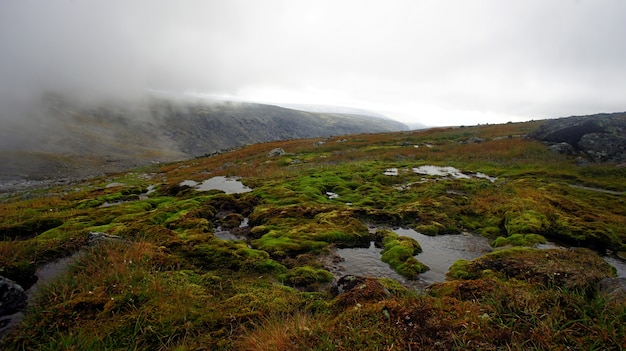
[601, 137]
[12, 297]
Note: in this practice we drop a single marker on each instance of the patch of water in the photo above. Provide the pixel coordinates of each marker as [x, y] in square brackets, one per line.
[228, 185]
[230, 235]
[450, 172]
[439, 253]
[45, 273]
[619, 265]
[599, 190]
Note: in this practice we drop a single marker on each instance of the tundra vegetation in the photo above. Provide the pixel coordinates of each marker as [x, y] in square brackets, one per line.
[169, 283]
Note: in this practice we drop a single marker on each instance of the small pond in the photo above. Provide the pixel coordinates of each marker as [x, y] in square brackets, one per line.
[229, 185]
[450, 172]
[439, 253]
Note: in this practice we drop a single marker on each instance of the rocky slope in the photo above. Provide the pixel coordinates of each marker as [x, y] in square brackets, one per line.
[599, 138]
[60, 138]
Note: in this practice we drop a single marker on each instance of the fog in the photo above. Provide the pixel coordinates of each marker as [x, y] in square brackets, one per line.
[435, 62]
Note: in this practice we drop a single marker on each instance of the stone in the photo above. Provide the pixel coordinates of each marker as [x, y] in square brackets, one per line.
[474, 140]
[99, 237]
[12, 297]
[614, 288]
[562, 148]
[276, 152]
[601, 137]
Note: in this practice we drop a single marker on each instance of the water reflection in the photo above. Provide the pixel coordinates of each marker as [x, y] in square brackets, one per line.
[228, 185]
[439, 253]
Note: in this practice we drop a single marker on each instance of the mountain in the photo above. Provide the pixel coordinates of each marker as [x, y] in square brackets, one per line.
[60, 137]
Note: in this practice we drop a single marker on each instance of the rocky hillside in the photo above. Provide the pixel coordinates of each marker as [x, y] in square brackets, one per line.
[63, 138]
[599, 138]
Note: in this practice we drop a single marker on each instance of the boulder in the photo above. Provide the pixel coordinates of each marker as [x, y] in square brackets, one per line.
[563, 148]
[12, 297]
[601, 137]
[276, 152]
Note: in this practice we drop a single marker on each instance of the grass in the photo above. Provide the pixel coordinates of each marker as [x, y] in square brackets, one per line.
[171, 284]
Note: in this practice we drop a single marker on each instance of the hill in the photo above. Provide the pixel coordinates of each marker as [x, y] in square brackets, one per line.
[182, 256]
[59, 137]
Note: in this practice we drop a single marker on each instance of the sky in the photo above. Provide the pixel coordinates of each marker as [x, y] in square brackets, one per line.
[439, 62]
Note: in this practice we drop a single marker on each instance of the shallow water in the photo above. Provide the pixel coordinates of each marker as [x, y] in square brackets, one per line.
[45, 273]
[450, 172]
[226, 184]
[439, 253]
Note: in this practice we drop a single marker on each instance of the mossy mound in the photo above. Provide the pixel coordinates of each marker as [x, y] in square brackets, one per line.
[519, 240]
[399, 252]
[570, 269]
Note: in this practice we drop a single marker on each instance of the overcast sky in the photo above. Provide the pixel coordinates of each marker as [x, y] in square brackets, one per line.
[436, 62]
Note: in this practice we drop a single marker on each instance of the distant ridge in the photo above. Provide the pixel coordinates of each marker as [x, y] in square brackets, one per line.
[60, 137]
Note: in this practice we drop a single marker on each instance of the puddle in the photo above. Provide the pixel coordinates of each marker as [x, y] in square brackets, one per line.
[599, 190]
[234, 233]
[228, 185]
[439, 253]
[450, 172]
[366, 262]
[440, 172]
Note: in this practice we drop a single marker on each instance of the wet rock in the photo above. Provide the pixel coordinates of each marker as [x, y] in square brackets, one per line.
[100, 237]
[614, 288]
[347, 283]
[276, 152]
[601, 136]
[562, 148]
[12, 297]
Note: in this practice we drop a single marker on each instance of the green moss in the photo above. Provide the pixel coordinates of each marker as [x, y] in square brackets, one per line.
[527, 222]
[398, 252]
[306, 276]
[519, 240]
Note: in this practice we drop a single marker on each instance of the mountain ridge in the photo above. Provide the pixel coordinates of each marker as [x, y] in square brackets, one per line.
[116, 135]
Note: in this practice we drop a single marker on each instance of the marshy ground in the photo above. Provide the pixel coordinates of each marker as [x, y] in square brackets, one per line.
[169, 282]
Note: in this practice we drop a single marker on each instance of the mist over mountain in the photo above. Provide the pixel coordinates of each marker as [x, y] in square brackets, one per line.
[62, 137]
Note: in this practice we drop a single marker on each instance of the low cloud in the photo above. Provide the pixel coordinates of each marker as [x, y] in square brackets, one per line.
[531, 59]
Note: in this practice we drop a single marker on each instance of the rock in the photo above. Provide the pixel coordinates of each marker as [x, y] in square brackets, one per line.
[602, 137]
[562, 148]
[602, 147]
[474, 140]
[276, 152]
[12, 297]
[99, 237]
[614, 288]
